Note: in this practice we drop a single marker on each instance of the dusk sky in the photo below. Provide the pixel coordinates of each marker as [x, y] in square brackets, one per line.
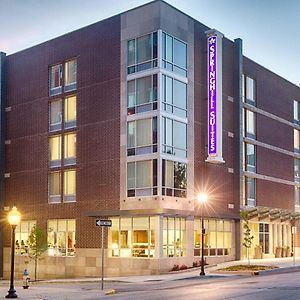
[270, 29]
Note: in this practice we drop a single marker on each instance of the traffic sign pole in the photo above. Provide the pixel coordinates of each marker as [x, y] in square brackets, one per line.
[102, 273]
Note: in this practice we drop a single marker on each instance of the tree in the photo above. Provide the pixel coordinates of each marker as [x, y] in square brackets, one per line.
[248, 237]
[37, 242]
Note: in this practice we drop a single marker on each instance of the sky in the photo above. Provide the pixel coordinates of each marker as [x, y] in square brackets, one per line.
[270, 29]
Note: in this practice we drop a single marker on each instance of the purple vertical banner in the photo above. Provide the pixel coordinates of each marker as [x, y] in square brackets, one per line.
[212, 94]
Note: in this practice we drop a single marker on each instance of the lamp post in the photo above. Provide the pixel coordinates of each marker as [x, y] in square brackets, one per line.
[14, 218]
[202, 198]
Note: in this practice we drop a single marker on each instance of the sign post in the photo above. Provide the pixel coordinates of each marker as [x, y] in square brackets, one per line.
[102, 224]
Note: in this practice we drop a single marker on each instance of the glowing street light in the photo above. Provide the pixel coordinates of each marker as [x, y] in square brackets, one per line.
[14, 218]
[202, 198]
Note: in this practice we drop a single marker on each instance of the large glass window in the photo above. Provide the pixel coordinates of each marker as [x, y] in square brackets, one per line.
[61, 237]
[264, 237]
[173, 178]
[70, 111]
[250, 124]
[217, 238]
[250, 191]
[55, 187]
[297, 195]
[297, 169]
[296, 112]
[174, 54]
[296, 140]
[69, 148]
[250, 157]
[23, 231]
[142, 178]
[174, 234]
[142, 53]
[70, 186]
[55, 82]
[174, 137]
[55, 115]
[70, 75]
[142, 94]
[174, 96]
[249, 90]
[132, 237]
[142, 136]
[55, 150]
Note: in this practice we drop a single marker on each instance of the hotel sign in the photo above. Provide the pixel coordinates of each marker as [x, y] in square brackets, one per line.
[214, 94]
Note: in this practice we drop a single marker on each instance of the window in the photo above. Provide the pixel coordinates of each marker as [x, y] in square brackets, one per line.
[297, 169]
[173, 179]
[250, 157]
[70, 186]
[55, 82]
[296, 112]
[23, 231]
[142, 178]
[142, 136]
[69, 148]
[174, 55]
[61, 237]
[296, 140]
[249, 90]
[297, 195]
[142, 53]
[174, 96]
[250, 124]
[55, 112]
[250, 191]
[56, 115]
[70, 112]
[217, 238]
[264, 237]
[132, 237]
[70, 75]
[142, 95]
[174, 137]
[55, 150]
[55, 187]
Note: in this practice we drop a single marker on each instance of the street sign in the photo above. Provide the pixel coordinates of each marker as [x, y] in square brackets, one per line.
[105, 223]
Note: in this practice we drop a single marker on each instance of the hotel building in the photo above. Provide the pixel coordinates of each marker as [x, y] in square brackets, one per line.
[129, 119]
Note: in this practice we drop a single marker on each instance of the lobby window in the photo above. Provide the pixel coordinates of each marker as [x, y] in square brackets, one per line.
[70, 75]
[142, 178]
[250, 124]
[61, 237]
[69, 185]
[174, 137]
[69, 148]
[55, 75]
[174, 235]
[249, 90]
[250, 191]
[142, 94]
[217, 238]
[296, 112]
[297, 169]
[132, 237]
[142, 53]
[56, 116]
[173, 179]
[297, 195]
[250, 157]
[174, 96]
[54, 183]
[142, 136]
[174, 54]
[264, 237]
[296, 140]
[55, 150]
[23, 231]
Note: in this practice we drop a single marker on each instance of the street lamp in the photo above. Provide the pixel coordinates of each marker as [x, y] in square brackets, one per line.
[14, 218]
[202, 198]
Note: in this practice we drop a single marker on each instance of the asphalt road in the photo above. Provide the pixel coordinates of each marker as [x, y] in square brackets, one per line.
[270, 287]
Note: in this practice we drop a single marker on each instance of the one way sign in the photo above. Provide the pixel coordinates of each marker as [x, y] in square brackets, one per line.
[106, 223]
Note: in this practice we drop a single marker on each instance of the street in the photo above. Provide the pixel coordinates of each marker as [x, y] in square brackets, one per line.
[279, 286]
